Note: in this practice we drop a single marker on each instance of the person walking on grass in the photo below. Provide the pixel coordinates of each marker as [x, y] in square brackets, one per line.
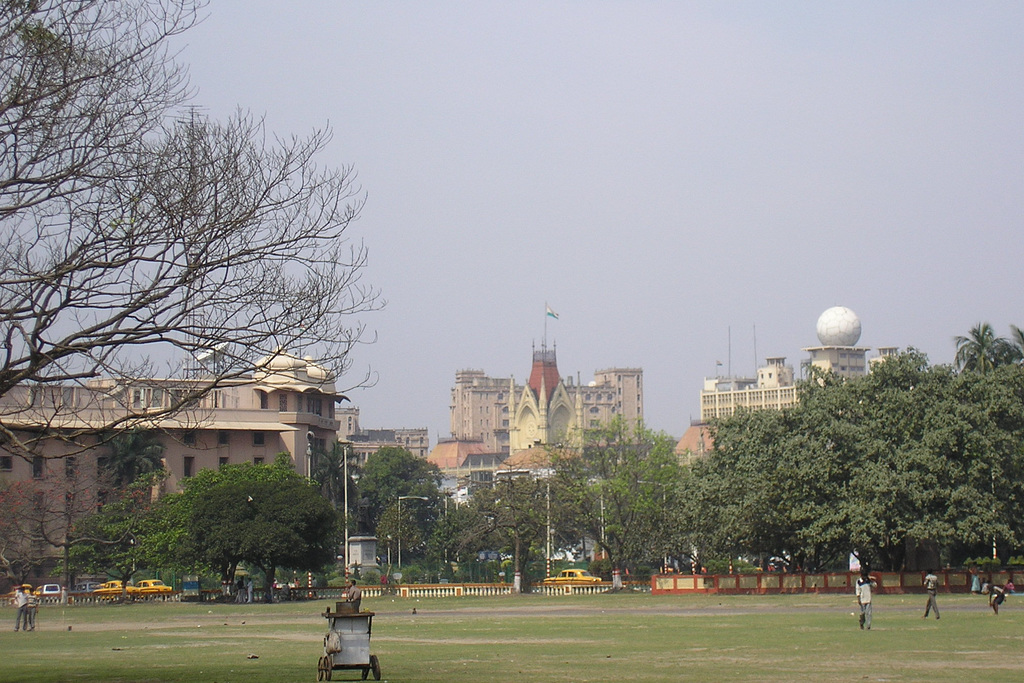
[996, 596]
[21, 602]
[31, 608]
[931, 585]
[864, 586]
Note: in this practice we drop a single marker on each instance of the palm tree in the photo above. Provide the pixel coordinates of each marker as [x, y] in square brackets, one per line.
[1017, 343]
[133, 453]
[329, 472]
[981, 350]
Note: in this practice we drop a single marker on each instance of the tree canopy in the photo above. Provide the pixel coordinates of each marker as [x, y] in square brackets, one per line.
[264, 515]
[908, 453]
[620, 490]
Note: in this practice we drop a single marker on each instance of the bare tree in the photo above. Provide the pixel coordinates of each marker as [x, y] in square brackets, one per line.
[81, 82]
[137, 238]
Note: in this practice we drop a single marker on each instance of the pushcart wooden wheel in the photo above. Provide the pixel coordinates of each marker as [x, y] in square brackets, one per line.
[375, 665]
[321, 668]
[328, 667]
[366, 672]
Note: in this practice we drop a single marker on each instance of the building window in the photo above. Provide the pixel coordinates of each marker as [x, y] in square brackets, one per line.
[257, 460]
[222, 460]
[222, 438]
[189, 440]
[282, 401]
[189, 465]
[70, 467]
[6, 463]
[258, 439]
[38, 467]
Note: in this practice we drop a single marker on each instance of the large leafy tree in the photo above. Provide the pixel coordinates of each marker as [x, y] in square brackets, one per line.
[392, 472]
[908, 453]
[617, 490]
[514, 515]
[266, 524]
[114, 538]
[138, 236]
[264, 515]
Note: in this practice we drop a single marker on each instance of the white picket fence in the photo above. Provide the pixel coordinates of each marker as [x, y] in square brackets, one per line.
[435, 590]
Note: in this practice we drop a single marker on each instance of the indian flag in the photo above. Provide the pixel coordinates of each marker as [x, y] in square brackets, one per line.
[550, 313]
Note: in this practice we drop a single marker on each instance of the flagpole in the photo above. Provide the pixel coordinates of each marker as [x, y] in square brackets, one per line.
[544, 343]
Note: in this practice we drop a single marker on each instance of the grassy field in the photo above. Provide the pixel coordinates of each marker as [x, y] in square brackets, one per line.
[630, 637]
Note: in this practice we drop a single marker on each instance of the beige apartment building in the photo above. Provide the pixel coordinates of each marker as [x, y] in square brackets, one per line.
[506, 416]
[838, 330]
[287, 406]
[366, 442]
[773, 388]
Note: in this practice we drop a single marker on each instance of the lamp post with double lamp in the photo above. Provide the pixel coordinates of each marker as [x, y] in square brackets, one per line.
[400, 499]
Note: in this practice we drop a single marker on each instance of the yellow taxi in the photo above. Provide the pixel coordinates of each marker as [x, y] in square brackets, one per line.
[27, 587]
[572, 576]
[114, 589]
[153, 587]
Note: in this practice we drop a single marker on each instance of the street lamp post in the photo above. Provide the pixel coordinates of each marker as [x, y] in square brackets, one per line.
[400, 499]
[345, 467]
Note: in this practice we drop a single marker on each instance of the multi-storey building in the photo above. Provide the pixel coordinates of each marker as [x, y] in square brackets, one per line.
[498, 411]
[838, 331]
[773, 388]
[287, 406]
[366, 442]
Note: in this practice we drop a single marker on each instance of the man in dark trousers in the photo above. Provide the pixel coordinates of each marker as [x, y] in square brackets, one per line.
[931, 584]
[864, 586]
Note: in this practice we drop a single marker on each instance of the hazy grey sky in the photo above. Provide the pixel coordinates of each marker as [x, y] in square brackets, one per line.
[657, 172]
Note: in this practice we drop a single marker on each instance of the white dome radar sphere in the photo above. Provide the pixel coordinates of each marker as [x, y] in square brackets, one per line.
[838, 326]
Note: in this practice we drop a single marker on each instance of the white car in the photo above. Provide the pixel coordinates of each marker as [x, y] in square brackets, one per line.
[47, 590]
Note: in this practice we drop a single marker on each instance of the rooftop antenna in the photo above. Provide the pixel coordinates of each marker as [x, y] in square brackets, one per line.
[729, 367]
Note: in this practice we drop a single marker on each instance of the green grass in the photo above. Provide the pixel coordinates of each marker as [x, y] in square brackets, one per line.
[631, 637]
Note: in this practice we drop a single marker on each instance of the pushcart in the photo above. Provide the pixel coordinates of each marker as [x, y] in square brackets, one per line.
[347, 643]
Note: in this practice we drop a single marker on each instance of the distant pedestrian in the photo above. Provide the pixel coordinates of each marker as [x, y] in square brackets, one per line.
[248, 590]
[975, 581]
[931, 585]
[21, 602]
[864, 586]
[996, 596]
[30, 611]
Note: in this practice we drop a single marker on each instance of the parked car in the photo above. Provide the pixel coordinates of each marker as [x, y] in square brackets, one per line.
[571, 576]
[47, 590]
[153, 587]
[113, 589]
[86, 587]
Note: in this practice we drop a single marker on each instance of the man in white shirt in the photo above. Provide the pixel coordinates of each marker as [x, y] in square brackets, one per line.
[864, 586]
[21, 602]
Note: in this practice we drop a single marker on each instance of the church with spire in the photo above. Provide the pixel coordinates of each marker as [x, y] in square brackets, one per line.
[544, 412]
[505, 417]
